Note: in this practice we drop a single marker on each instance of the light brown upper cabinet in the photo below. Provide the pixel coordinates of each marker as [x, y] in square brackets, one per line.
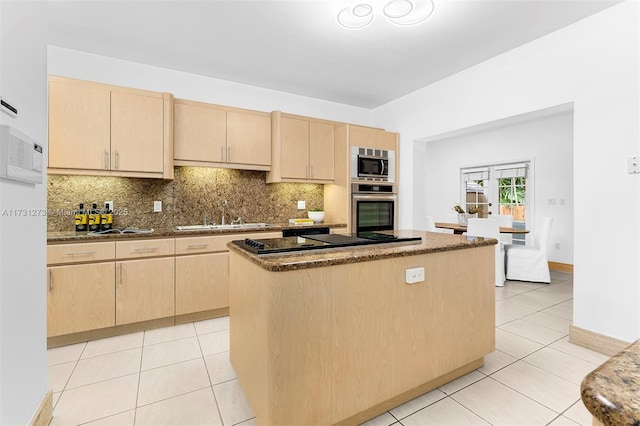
[368, 137]
[219, 136]
[99, 129]
[303, 149]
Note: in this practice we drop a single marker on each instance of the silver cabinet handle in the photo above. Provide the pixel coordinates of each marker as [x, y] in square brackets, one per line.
[221, 153]
[145, 250]
[106, 159]
[228, 154]
[117, 160]
[50, 280]
[80, 253]
[120, 273]
[306, 171]
[311, 172]
[197, 246]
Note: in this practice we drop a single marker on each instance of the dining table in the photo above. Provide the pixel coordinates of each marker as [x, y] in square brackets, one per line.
[459, 229]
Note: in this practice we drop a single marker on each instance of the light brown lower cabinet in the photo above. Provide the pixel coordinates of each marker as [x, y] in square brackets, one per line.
[202, 282]
[144, 290]
[80, 298]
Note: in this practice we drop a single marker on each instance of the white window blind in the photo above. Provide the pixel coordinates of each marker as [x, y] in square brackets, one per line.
[475, 174]
[510, 171]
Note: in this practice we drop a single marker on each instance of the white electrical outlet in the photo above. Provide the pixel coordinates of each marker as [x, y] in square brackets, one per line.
[108, 205]
[302, 205]
[633, 165]
[157, 206]
[556, 246]
[414, 275]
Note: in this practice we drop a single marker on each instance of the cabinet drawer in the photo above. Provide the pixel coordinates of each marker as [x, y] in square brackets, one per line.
[217, 243]
[80, 252]
[144, 248]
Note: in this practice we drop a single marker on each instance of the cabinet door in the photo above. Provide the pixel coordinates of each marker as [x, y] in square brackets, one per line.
[80, 298]
[137, 132]
[202, 282]
[366, 137]
[200, 133]
[321, 147]
[79, 132]
[295, 148]
[248, 138]
[144, 289]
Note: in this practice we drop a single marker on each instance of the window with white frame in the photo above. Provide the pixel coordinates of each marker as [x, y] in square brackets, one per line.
[498, 189]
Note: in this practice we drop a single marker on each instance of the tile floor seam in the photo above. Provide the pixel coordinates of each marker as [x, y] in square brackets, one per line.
[169, 341]
[104, 417]
[209, 376]
[172, 396]
[135, 408]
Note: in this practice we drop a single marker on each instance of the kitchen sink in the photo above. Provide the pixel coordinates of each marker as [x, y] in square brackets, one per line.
[213, 227]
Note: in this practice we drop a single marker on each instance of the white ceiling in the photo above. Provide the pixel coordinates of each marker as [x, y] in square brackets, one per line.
[296, 46]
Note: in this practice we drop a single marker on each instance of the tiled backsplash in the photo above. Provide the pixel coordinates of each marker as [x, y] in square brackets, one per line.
[185, 200]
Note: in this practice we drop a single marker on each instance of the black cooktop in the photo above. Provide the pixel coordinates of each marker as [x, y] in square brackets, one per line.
[319, 241]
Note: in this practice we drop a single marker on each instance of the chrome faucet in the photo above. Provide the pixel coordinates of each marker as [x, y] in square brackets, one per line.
[224, 204]
[238, 221]
[204, 219]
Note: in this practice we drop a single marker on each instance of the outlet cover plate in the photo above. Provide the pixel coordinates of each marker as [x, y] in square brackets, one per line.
[157, 206]
[302, 205]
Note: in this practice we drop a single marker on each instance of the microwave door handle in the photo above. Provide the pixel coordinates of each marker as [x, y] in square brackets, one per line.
[382, 162]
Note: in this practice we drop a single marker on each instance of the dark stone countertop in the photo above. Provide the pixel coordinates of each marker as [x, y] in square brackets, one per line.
[432, 242]
[611, 392]
[72, 237]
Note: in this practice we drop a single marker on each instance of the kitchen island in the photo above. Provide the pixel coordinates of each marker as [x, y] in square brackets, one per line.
[336, 336]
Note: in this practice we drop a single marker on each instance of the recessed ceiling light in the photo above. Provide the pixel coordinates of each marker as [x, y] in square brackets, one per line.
[399, 12]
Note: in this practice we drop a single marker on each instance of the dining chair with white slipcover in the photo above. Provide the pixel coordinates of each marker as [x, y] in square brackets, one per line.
[505, 221]
[489, 228]
[530, 262]
[431, 226]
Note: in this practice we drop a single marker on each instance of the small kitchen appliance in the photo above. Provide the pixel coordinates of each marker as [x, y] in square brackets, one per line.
[373, 164]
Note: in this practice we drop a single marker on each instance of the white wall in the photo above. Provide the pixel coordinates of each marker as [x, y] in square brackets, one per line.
[593, 63]
[547, 142]
[23, 309]
[85, 66]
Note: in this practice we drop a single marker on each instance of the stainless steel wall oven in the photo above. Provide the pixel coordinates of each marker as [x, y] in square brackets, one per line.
[374, 207]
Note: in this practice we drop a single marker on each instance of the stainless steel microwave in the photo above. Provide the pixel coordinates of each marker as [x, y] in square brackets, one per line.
[373, 164]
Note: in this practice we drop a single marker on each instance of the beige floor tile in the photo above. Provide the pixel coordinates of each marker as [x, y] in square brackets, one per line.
[524, 285]
[56, 397]
[444, 412]
[418, 403]
[194, 408]
[213, 343]
[59, 375]
[557, 276]
[532, 331]
[553, 322]
[534, 300]
[495, 361]
[515, 345]
[583, 353]
[220, 368]
[250, 422]
[501, 405]
[113, 344]
[563, 421]
[546, 388]
[172, 380]
[105, 367]
[211, 325]
[154, 356]
[384, 419]
[232, 403]
[579, 414]
[64, 354]
[123, 419]
[462, 382]
[561, 364]
[96, 401]
[508, 307]
[166, 334]
[561, 310]
[503, 318]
